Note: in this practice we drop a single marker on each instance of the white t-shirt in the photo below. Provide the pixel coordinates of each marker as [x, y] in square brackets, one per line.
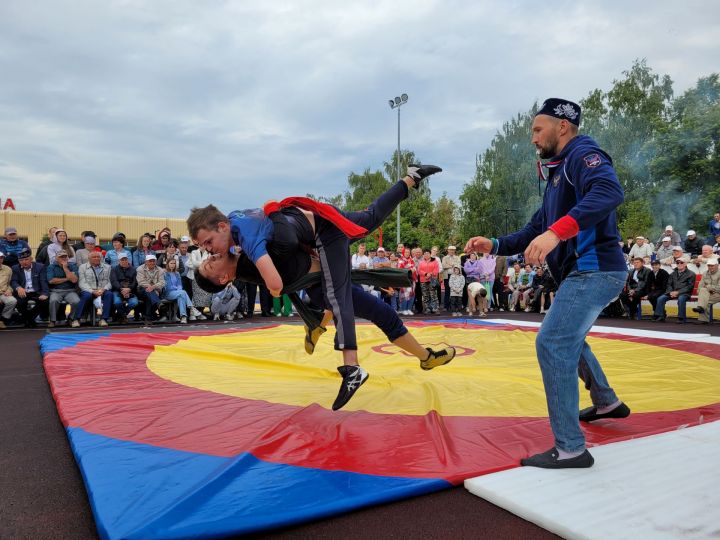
[357, 260]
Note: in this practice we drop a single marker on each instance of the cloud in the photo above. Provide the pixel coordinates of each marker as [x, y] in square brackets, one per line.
[150, 108]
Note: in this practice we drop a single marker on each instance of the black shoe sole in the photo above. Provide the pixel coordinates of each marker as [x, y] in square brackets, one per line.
[590, 414]
[548, 460]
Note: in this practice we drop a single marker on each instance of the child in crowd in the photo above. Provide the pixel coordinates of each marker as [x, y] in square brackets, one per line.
[456, 283]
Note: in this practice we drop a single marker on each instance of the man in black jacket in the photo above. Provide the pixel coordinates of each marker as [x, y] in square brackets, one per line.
[679, 287]
[657, 282]
[123, 279]
[635, 287]
[29, 281]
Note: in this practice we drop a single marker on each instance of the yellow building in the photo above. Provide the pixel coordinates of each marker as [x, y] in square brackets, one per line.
[33, 226]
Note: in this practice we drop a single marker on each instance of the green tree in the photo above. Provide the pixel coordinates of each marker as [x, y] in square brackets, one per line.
[688, 157]
[638, 220]
[504, 193]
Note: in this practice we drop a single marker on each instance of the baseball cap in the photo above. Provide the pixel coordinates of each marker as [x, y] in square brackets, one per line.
[10, 230]
[2, 254]
[684, 259]
[124, 255]
[668, 228]
[24, 254]
[89, 239]
[712, 261]
[639, 238]
[656, 261]
[184, 238]
[666, 239]
[677, 248]
[451, 247]
[691, 233]
[381, 248]
[150, 257]
[61, 253]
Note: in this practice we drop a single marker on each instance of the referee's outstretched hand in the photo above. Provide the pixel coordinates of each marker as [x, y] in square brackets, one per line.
[478, 244]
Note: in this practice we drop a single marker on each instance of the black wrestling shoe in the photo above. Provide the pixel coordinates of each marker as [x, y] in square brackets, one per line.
[437, 358]
[312, 337]
[419, 172]
[353, 378]
[590, 414]
[549, 460]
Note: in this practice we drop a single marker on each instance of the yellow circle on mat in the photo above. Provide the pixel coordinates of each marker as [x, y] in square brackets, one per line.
[498, 374]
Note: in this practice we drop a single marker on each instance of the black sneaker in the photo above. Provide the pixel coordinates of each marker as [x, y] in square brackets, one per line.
[420, 172]
[699, 309]
[353, 378]
[549, 460]
[437, 358]
[590, 414]
[312, 337]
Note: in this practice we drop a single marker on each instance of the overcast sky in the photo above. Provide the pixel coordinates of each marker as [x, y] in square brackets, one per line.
[151, 107]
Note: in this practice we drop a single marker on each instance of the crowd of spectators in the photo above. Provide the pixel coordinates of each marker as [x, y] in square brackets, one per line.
[86, 283]
[153, 280]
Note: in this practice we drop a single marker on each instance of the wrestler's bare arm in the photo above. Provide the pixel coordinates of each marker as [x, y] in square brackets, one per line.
[270, 275]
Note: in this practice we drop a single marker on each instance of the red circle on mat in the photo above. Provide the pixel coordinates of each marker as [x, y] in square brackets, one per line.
[104, 386]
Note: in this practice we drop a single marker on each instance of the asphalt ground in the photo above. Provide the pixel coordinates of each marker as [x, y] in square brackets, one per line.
[42, 495]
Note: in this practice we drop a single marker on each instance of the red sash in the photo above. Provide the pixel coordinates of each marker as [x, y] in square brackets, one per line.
[327, 211]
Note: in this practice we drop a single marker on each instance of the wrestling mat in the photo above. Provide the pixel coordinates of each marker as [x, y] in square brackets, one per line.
[213, 433]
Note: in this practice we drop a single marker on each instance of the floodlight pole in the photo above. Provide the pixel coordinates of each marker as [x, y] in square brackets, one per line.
[396, 104]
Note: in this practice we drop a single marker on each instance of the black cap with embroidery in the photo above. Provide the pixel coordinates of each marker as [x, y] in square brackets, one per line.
[562, 109]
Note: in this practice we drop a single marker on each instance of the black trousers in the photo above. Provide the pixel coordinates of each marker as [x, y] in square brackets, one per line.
[31, 306]
[333, 248]
[265, 300]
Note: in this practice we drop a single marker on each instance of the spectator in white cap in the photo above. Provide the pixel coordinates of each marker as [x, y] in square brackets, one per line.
[716, 245]
[151, 282]
[674, 236]
[83, 255]
[693, 245]
[381, 260]
[642, 248]
[449, 261]
[665, 249]
[124, 286]
[95, 287]
[7, 300]
[679, 287]
[708, 291]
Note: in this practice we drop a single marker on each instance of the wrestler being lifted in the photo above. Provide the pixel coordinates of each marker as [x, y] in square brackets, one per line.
[288, 239]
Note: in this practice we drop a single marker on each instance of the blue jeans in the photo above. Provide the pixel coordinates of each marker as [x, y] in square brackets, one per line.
[85, 297]
[182, 298]
[662, 300]
[564, 354]
[132, 303]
